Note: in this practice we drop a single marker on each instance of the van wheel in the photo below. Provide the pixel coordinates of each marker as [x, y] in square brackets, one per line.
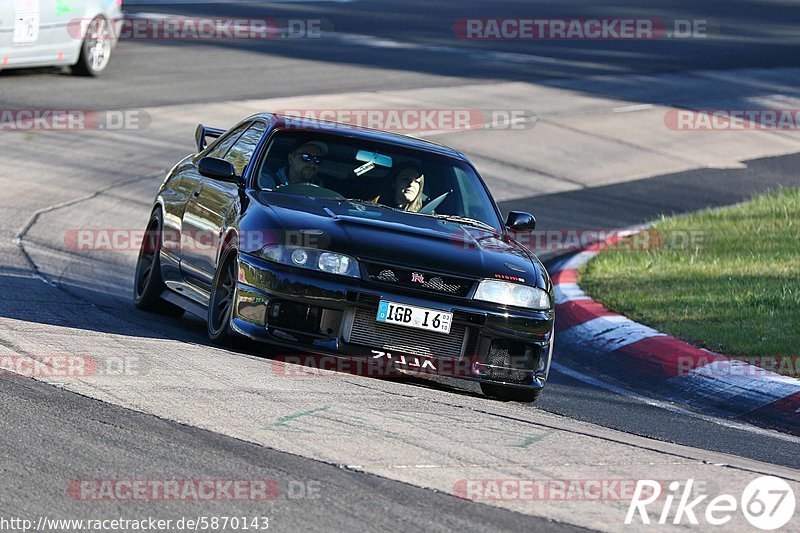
[95, 50]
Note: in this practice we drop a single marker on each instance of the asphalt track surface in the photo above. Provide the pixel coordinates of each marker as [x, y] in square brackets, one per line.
[73, 429]
[381, 44]
[50, 435]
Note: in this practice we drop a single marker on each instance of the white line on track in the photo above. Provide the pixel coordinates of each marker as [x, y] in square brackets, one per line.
[473, 53]
[633, 108]
[574, 374]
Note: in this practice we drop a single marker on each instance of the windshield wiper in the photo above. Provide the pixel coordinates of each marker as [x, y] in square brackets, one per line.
[359, 201]
[368, 202]
[458, 219]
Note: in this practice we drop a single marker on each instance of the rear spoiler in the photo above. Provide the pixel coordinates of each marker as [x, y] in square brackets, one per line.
[202, 133]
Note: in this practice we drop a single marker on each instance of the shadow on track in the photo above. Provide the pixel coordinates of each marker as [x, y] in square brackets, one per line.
[747, 35]
[636, 202]
[30, 303]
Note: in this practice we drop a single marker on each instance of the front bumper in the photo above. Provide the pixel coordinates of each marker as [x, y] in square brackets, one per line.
[334, 315]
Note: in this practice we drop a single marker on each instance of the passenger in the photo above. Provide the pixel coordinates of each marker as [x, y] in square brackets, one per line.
[304, 162]
[406, 193]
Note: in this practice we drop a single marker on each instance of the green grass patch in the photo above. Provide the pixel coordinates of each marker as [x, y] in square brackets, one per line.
[727, 280]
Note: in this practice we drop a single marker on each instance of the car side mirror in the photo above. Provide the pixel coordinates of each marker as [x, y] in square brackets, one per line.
[217, 169]
[519, 220]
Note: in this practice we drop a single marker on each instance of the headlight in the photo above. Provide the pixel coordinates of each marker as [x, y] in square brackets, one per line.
[299, 257]
[335, 263]
[311, 259]
[505, 293]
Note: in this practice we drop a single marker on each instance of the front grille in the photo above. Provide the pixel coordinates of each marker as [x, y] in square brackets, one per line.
[419, 280]
[389, 275]
[363, 298]
[471, 348]
[367, 331]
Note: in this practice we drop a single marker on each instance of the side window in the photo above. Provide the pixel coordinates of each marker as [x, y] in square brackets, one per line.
[241, 152]
[221, 148]
[279, 147]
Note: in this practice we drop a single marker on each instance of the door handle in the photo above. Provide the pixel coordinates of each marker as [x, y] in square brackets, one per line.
[197, 191]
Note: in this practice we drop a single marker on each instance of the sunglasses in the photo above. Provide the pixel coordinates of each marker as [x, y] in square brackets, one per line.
[308, 157]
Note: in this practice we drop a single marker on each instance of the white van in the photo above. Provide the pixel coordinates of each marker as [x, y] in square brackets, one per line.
[77, 33]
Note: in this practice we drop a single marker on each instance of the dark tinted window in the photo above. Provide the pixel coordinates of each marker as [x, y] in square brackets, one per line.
[223, 145]
[241, 152]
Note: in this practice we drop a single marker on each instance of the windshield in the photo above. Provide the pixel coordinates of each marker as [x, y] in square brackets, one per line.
[391, 177]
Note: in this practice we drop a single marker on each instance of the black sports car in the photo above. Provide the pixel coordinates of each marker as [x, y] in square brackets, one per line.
[344, 241]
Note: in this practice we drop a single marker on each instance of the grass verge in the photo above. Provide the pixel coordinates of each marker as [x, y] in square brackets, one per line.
[727, 279]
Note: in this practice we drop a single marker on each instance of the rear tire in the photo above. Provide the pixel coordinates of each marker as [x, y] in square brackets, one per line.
[148, 285]
[95, 49]
[510, 394]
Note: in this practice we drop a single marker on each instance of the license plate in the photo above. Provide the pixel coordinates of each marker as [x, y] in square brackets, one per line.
[26, 28]
[414, 317]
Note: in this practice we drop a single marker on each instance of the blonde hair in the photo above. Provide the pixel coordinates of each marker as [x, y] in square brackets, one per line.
[415, 204]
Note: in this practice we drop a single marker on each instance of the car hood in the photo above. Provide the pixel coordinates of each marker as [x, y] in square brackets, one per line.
[386, 236]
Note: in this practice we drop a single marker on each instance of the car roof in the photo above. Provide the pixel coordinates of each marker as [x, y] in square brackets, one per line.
[358, 132]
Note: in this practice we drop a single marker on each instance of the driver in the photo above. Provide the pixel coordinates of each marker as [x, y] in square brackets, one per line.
[304, 162]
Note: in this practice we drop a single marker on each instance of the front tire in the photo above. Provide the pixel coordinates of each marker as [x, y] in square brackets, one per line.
[220, 305]
[510, 394]
[148, 284]
[95, 49]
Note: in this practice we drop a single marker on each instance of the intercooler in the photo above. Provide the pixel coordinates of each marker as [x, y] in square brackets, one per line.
[367, 331]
